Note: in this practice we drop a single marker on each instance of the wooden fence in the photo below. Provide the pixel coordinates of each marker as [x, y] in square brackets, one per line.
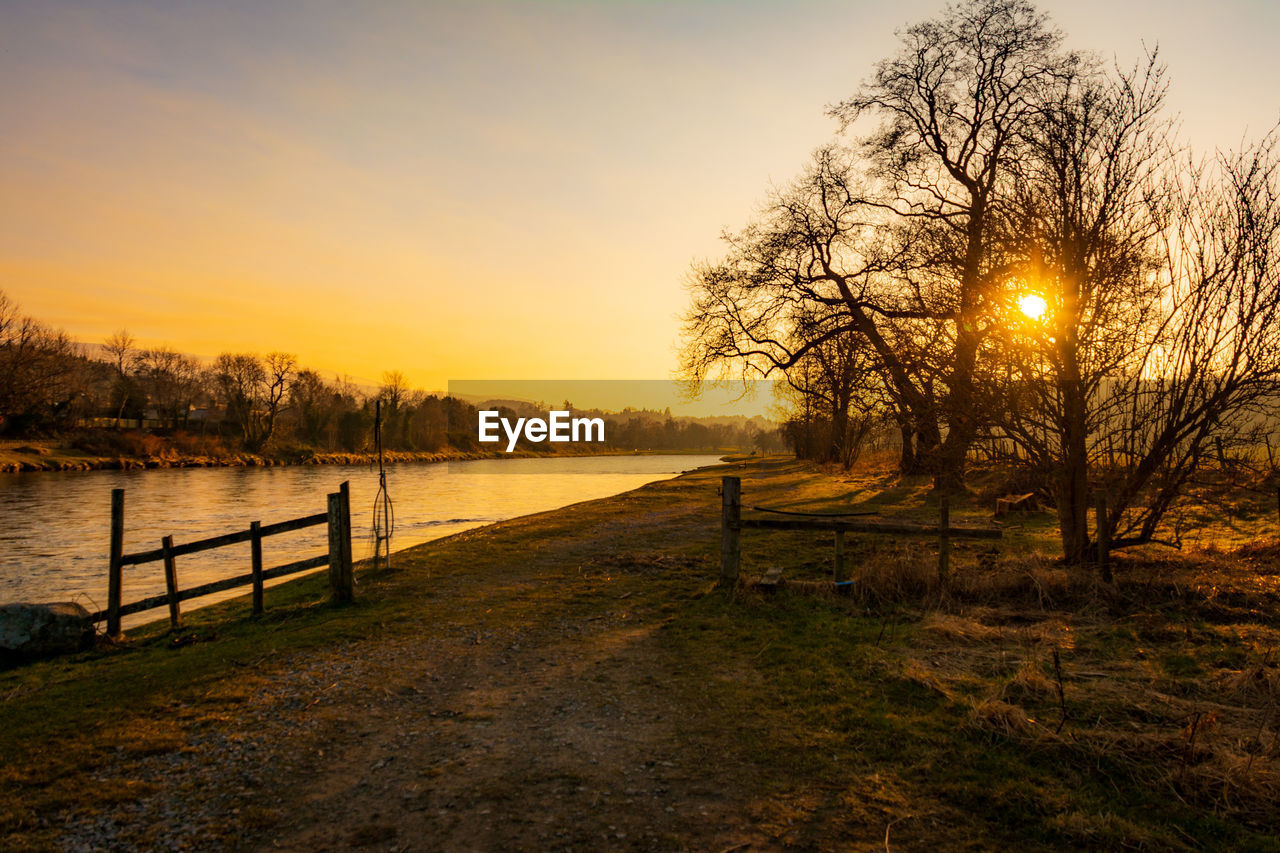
[338, 559]
[732, 524]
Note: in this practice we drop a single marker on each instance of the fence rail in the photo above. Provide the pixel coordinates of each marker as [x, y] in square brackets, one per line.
[225, 539]
[338, 558]
[732, 524]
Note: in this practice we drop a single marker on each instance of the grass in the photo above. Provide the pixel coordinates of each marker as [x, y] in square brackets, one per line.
[1024, 707]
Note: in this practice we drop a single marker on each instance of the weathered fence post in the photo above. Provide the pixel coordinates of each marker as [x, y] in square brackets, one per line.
[171, 582]
[348, 572]
[255, 548]
[730, 531]
[115, 570]
[1103, 535]
[944, 540]
[341, 579]
[841, 577]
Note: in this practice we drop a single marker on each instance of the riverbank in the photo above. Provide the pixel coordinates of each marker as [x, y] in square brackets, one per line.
[573, 679]
[24, 456]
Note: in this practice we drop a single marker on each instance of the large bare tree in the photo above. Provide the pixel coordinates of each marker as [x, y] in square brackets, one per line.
[896, 239]
[954, 107]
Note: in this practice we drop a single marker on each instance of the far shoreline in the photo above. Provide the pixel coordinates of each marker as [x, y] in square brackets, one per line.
[50, 455]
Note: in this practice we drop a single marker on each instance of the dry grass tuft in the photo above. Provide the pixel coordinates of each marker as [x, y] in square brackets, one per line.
[1029, 684]
[926, 676]
[897, 572]
[995, 715]
[1259, 683]
[949, 626]
[1232, 784]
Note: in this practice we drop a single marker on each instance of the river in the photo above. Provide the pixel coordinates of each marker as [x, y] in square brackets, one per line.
[55, 527]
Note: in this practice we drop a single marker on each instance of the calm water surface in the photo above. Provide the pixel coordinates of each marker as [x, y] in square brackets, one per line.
[55, 527]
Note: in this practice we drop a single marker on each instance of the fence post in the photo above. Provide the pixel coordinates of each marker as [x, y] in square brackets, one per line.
[171, 582]
[341, 581]
[730, 531]
[348, 574]
[255, 547]
[115, 570]
[944, 540]
[1103, 535]
[842, 578]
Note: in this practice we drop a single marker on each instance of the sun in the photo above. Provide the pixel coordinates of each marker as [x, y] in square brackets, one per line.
[1032, 305]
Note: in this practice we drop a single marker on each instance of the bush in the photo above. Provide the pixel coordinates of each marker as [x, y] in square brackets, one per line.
[119, 443]
[188, 444]
[135, 443]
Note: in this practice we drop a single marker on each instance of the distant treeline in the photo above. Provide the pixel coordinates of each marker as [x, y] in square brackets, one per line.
[52, 386]
[646, 429]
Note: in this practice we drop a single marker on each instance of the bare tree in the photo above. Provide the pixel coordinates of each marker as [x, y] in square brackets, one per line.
[121, 349]
[1162, 330]
[1215, 351]
[254, 390]
[1084, 216]
[818, 266]
[395, 390]
[173, 382]
[313, 402]
[837, 396]
[954, 108]
[37, 369]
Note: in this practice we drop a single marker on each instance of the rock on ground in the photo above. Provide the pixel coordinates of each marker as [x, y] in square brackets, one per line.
[29, 631]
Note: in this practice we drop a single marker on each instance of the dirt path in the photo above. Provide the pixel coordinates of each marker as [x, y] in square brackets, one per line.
[513, 742]
[563, 730]
[510, 740]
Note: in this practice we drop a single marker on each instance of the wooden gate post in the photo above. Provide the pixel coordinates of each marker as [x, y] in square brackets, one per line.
[944, 540]
[255, 547]
[1103, 535]
[341, 579]
[730, 531]
[115, 569]
[171, 582]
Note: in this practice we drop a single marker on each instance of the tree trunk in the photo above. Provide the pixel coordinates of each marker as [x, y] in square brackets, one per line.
[1073, 479]
[962, 420]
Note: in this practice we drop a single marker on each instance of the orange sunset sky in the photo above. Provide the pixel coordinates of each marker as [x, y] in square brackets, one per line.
[457, 190]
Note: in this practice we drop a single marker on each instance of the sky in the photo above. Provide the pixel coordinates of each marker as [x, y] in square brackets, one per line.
[459, 190]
